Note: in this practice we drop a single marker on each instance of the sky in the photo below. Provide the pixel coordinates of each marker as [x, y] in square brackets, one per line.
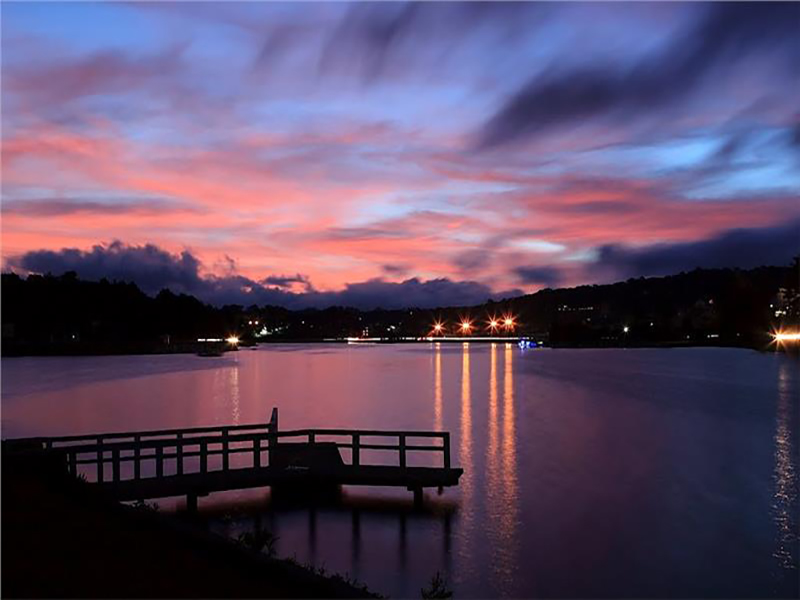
[397, 154]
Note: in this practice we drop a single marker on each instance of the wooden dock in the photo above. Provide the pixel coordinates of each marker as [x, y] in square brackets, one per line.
[196, 461]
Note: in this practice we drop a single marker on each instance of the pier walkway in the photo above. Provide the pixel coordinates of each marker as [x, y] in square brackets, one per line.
[196, 461]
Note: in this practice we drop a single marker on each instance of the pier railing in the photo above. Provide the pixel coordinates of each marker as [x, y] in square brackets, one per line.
[188, 450]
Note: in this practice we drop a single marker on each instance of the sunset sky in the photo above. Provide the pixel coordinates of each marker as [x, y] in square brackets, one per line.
[397, 154]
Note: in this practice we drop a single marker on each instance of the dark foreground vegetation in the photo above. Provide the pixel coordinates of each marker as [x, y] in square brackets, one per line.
[64, 315]
[60, 539]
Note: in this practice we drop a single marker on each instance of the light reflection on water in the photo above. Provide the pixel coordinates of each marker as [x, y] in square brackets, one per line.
[786, 483]
[467, 480]
[437, 388]
[587, 472]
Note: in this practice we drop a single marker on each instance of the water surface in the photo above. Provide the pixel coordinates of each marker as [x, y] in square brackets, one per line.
[588, 473]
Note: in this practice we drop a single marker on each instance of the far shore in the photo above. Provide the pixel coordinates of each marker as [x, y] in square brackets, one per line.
[95, 350]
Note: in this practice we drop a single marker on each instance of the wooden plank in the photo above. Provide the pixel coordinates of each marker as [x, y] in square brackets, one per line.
[213, 481]
[446, 441]
[232, 438]
[409, 447]
[153, 433]
[170, 442]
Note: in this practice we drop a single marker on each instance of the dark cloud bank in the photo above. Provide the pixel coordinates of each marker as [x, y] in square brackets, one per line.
[743, 248]
[154, 269]
[549, 276]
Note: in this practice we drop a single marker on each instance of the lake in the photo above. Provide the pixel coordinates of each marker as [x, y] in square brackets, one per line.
[588, 473]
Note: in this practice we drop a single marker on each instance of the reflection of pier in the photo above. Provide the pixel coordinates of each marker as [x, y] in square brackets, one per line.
[350, 522]
[177, 462]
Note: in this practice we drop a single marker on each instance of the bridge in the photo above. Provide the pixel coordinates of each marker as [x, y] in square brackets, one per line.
[194, 462]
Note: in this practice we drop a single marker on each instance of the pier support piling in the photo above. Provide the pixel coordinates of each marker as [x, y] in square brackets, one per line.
[417, 497]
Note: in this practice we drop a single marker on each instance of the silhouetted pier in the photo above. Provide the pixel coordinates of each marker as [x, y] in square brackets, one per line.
[196, 461]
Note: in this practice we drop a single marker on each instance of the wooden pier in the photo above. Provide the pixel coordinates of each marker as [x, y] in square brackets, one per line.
[178, 462]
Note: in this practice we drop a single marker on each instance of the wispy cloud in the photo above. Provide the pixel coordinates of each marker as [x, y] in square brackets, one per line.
[496, 143]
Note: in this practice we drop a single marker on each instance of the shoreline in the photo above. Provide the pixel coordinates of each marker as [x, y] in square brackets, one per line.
[766, 346]
[108, 549]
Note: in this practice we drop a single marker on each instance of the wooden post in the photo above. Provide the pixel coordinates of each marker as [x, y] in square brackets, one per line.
[446, 445]
[73, 464]
[417, 497]
[115, 464]
[160, 461]
[100, 465]
[257, 452]
[179, 454]
[312, 437]
[356, 449]
[191, 503]
[272, 441]
[403, 450]
[273, 420]
[203, 457]
[137, 455]
[225, 462]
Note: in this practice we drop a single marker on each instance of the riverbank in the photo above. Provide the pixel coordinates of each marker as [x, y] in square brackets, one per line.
[61, 539]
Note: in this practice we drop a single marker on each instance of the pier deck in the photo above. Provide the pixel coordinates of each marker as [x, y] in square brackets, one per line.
[197, 461]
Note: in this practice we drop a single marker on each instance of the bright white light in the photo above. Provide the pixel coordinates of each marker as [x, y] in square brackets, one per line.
[233, 340]
[786, 336]
[626, 329]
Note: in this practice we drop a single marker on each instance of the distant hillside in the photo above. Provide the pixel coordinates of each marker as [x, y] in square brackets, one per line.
[64, 315]
[731, 306]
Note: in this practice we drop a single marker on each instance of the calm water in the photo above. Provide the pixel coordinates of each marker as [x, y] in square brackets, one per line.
[588, 473]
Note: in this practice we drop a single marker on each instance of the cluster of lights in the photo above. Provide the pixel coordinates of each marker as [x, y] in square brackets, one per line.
[466, 326]
[232, 340]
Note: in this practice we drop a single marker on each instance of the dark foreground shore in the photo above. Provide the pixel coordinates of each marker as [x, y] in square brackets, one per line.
[61, 540]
